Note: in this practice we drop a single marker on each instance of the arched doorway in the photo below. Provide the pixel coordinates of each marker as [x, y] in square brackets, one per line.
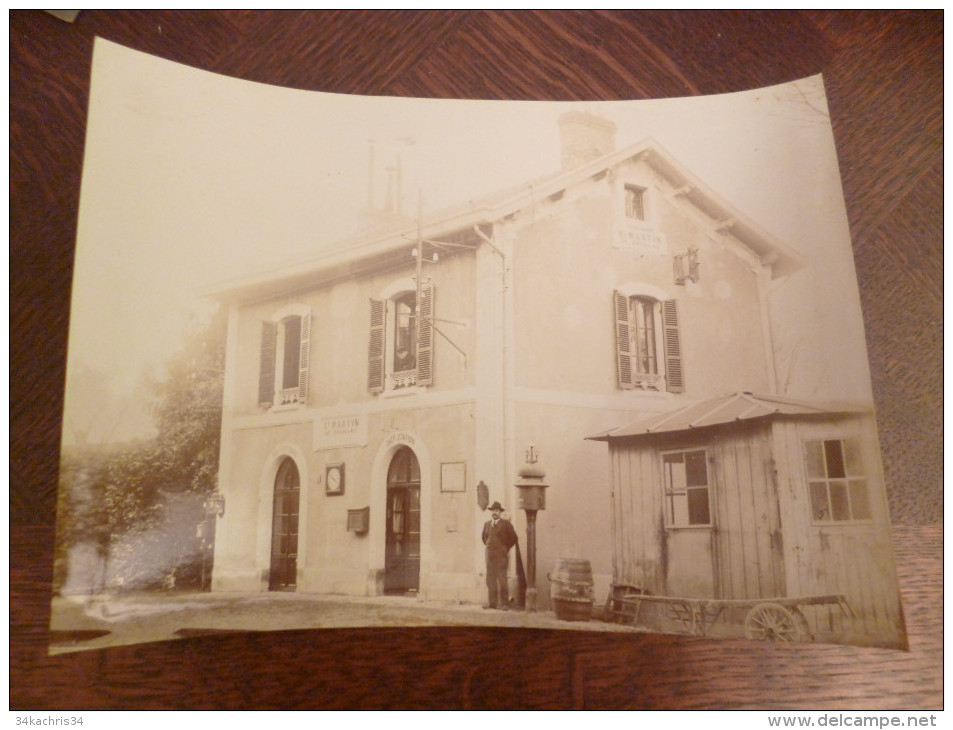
[284, 528]
[402, 529]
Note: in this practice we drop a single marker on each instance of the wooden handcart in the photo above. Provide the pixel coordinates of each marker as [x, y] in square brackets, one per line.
[766, 619]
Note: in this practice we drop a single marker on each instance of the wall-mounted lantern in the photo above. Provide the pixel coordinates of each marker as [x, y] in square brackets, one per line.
[532, 498]
[483, 496]
[687, 266]
[215, 504]
[214, 507]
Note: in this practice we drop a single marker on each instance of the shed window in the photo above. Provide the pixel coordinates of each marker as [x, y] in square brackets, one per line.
[685, 475]
[836, 481]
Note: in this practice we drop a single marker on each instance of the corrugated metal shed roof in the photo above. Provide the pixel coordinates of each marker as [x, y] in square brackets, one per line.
[741, 406]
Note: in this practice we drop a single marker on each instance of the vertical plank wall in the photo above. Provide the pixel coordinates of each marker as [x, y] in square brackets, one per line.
[637, 554]
[746, 528]
[853, 559]
[745, 508]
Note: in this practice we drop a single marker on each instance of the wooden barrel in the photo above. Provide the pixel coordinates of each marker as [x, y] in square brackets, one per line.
[571, 589]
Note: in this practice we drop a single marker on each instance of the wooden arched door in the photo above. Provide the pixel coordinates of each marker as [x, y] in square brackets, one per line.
[402, 530]
[283, 575]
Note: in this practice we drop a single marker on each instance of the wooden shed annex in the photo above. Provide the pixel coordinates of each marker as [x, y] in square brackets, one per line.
[748, 498]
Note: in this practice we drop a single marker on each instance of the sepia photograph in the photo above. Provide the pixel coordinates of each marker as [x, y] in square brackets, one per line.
[340, 361]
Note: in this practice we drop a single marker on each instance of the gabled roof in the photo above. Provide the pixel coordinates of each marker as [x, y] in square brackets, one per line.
[346, 258]
[783, 259]
[724, 409]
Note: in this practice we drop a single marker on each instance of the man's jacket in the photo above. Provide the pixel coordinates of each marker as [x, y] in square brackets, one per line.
[502, 535]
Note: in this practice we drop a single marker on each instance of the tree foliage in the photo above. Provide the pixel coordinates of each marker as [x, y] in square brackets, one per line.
[188, 411]
[137, 505]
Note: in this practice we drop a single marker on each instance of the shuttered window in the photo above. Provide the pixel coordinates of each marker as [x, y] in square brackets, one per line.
[266, 369]
[642, 319]
[284, 362]
[637, 323]
[405, 332]
[304, 357]
[425, 336]
[674, 379]
[291, 352]
[400, 341]
[375, 348]
[623, 341]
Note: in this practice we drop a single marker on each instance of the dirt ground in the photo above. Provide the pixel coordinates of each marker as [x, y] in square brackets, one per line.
[94, 622]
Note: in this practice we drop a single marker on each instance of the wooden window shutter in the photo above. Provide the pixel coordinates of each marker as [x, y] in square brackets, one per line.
[266, 371]
[425, 335]
[674, 378]
[304, 361]
[623, 344]
[375, 348]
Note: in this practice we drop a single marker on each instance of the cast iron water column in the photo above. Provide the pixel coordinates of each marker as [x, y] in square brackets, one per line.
[532, 497]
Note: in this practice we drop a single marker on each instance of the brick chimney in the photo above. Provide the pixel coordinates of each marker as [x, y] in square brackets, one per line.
[584, 137]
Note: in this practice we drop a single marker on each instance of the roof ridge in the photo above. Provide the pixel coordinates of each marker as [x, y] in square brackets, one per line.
[733, 407]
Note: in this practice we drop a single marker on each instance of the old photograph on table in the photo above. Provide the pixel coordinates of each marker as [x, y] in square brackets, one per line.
[342, 361]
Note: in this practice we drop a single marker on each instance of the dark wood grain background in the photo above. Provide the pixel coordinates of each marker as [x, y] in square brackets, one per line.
[883, 72]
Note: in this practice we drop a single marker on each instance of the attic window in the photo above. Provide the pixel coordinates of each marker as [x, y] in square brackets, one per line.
[634, 203]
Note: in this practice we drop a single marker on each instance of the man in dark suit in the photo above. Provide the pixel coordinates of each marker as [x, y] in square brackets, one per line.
[498, 536]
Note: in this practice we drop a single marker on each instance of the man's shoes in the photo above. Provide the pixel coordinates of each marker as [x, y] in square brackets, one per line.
[487, 605]
[504, 607]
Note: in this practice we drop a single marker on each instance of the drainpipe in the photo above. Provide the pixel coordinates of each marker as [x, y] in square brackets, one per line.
[505, 405]
[767, 327]
[506, 369]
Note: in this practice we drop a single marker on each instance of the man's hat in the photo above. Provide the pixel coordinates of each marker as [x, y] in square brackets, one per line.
[496, 505]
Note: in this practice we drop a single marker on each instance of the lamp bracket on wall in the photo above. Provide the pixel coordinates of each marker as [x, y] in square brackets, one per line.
[687, 266]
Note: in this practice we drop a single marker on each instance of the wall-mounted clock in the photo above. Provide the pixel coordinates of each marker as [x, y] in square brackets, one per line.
[334, 478]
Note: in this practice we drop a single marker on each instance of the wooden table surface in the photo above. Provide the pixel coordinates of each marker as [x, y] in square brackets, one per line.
[883, 73]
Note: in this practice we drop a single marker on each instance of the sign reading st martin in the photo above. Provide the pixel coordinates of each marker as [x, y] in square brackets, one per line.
[341, 430]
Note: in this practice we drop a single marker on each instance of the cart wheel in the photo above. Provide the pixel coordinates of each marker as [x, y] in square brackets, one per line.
[801, 619]
[772, 622]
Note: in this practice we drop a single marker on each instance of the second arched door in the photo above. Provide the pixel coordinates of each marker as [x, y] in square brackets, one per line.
[402, 530]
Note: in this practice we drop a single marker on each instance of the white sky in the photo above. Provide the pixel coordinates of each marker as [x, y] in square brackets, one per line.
[191, 178]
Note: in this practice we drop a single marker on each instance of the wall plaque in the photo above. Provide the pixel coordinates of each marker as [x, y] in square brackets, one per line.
[453, 476]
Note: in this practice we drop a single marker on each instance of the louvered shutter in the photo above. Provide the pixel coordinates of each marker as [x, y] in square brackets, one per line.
[375, 348]
[304, 361]
[266, 371]
[674, 378]
[623, 343]
[425, 335]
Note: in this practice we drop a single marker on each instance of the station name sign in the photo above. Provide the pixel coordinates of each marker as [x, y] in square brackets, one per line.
[332, 432]
[640, 239]
[400, 437]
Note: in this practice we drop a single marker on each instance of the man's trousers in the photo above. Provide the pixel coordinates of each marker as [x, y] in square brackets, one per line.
[498, 592]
